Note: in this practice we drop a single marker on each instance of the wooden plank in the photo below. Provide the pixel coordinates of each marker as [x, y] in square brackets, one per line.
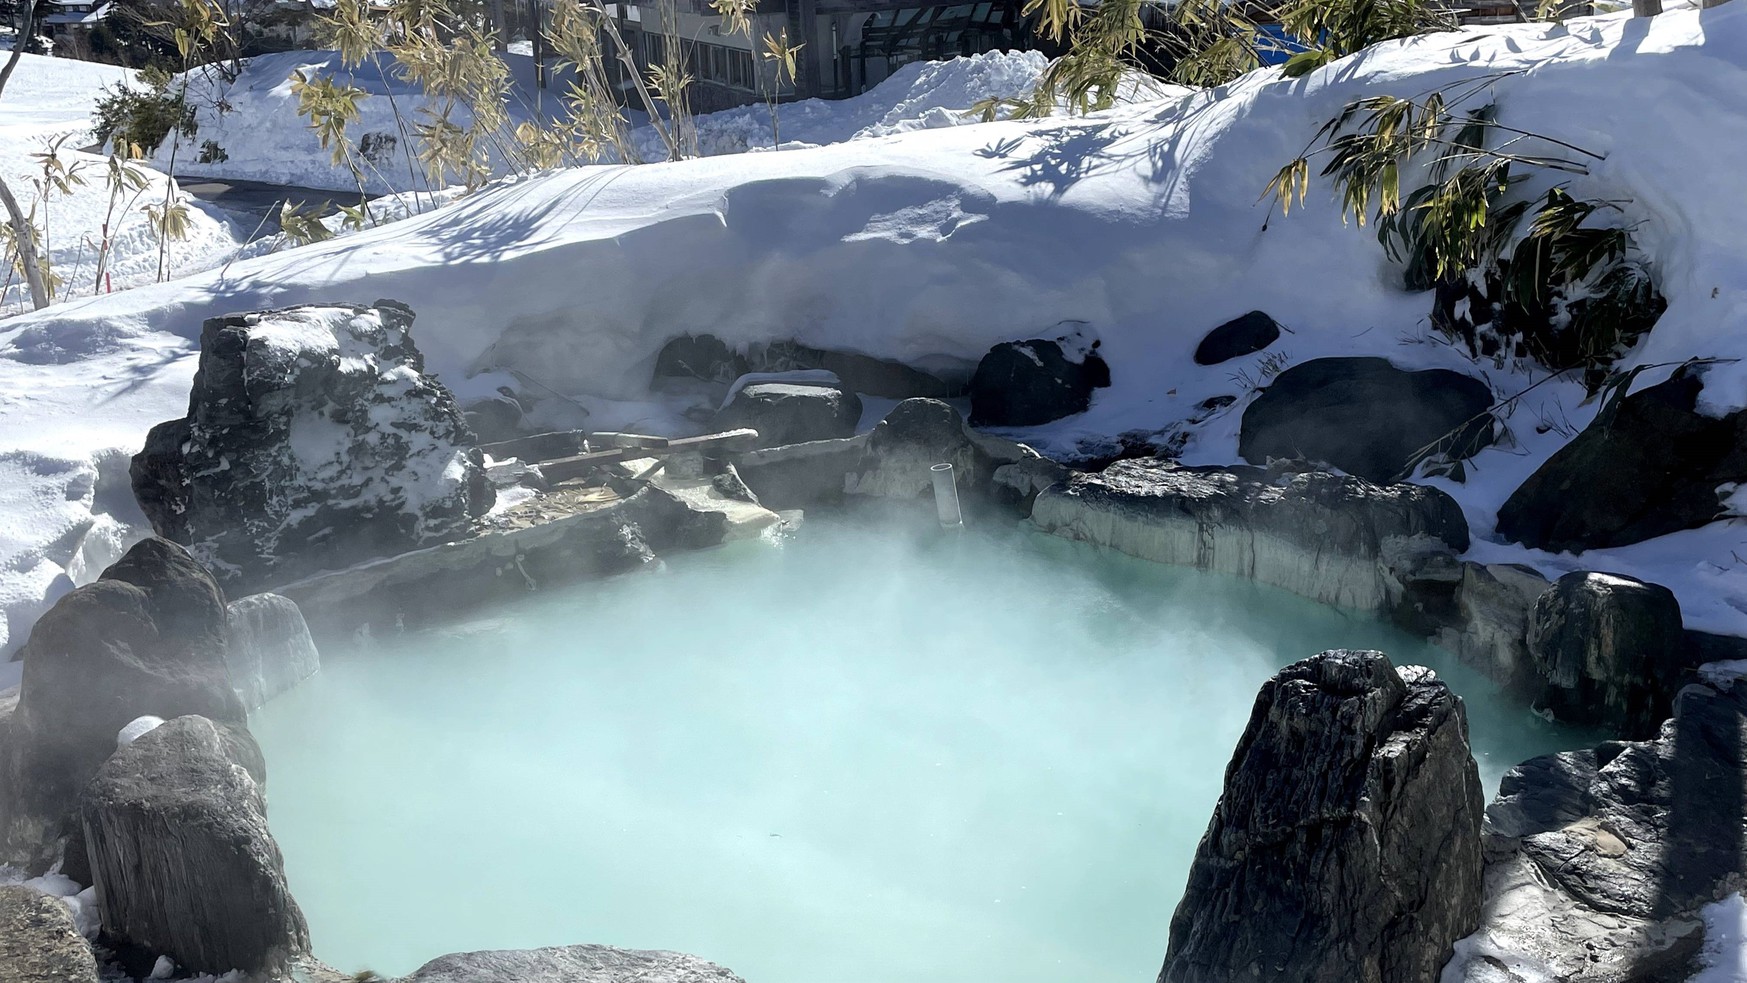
[538, 447]
[565, 468]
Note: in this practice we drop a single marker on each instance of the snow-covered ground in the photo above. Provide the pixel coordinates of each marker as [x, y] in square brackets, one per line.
[254, 119]
[919, 96]
[933, 244]
[53, 97]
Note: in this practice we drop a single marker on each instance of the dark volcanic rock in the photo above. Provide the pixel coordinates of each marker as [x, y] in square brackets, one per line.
[1609, 650]
[1346, 845]
[37, 940]
[1025, 383]
[1598, 861]
[1243, 335]
[1367, 417]
[882, 377]
[1649, 464]
[708, 358]
[496, 418]
[149, 637]
[918, 434]
[177, 833]
[571, 964]
[703, 356]
[313, 441]
[1317, 534]
[785, 413]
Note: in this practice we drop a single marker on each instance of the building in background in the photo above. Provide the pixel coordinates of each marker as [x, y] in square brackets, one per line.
[850, 45]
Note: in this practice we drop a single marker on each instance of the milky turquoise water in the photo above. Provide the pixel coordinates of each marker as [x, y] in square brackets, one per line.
[866, 754]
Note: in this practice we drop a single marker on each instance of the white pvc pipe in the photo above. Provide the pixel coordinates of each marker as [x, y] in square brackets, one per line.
[946, 496]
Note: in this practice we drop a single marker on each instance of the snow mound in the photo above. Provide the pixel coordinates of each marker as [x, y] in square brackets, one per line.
[931, 245]
[254, 120]
[918, 96]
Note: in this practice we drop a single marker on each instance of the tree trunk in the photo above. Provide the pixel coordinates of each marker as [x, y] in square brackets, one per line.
[21, 230]
[26, 239]
[1646, 8]
[499, 30]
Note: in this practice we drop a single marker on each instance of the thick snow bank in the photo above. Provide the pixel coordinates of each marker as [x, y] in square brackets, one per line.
[934, 244]
[918, 96]
[254, 119]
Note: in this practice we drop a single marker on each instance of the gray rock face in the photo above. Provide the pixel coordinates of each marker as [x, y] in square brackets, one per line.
[709, 359]
[1346, 845]
[37, 940]
[1489, 624]
[313, 441]
[704, 357]
[1025, 383]
[1648, 465]
[1609, 650]
[1598, 861]
[149, 637]
[183, 861]
[918, 434]
[571, 964]
[1367, 417]
[1319, 535]
[892, 461]
[1239, 336]
[270, 648]
[785, 413]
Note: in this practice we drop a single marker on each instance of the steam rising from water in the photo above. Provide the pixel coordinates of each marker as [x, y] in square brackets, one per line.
[869, 753]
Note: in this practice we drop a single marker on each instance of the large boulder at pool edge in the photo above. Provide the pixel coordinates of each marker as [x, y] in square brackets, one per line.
[571, 964]
[790, 413]
[314, 440]
[1600, 862]
[1609, 651]
[148, 637]
[1367, 417]
[1345, 847]
[176, 827]
[1651, 463]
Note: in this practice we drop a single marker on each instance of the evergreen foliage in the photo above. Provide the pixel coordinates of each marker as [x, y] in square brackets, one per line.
[1559, 277]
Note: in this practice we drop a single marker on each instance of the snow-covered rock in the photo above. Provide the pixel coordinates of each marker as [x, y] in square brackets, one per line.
[791, 413]
[313, 440]
[1683, 465]
[1027, 383]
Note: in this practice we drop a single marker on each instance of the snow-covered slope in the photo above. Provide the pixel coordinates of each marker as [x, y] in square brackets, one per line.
[918, 96]
[1143, 222]
[255, 121]
[53, 97]
[49, 96]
